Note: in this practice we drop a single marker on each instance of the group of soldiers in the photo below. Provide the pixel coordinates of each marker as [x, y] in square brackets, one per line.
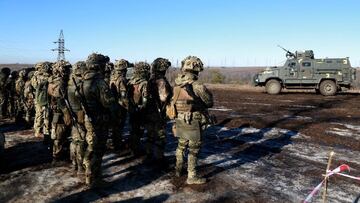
[90, 101]
[16, 94]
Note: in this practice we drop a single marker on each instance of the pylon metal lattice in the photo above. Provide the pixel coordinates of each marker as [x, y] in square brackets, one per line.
[61, 47]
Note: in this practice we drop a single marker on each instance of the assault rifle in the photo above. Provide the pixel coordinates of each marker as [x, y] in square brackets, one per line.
[80, 128]
[83, 103]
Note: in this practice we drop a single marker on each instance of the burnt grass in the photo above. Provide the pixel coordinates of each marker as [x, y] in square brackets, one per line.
[282, 171]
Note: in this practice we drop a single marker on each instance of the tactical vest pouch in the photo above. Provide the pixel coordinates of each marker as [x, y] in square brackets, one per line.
[171, 111]
[188, 131]
[54, 89]
[41, 94]
[137, 94]
[185, 102]
[80, 117]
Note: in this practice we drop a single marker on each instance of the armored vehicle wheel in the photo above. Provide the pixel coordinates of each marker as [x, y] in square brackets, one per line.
[328, 88]
[273, 87]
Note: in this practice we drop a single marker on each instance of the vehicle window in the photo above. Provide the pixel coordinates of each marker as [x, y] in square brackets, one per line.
[306, 64]
[292, 64]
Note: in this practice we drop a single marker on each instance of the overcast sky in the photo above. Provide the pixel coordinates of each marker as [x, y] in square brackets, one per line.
[220, 32]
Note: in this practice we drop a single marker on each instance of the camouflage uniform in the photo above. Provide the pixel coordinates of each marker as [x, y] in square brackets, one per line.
[39, 82]
[20, 102]
[78, 144]
[99, 101]
[191, 101]
[155, 117]
[118, 86]
[29, 97]
[4, 74]
[11, 92]
[138, 96]
[107, 71]
[60, 116]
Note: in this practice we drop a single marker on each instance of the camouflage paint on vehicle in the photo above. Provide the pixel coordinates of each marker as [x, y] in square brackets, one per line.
[302, 71]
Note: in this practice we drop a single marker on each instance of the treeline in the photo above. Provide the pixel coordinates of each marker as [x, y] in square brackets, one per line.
[242, 76]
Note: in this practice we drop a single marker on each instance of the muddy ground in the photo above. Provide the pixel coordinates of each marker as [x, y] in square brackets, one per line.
[264, 148]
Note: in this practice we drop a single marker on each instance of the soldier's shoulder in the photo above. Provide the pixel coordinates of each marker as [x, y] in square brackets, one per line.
[198, 84]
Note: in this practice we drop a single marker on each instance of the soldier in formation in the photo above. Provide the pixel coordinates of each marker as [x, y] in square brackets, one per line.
[60, 115]
[96, 95]
[160, 93]
[119, 87]
[39, 82]
[192, 100]
[4, 74]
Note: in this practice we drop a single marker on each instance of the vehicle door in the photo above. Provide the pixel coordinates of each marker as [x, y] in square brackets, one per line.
[292, 71]
[307, 72]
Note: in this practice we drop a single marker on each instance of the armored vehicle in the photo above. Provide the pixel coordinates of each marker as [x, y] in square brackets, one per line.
[302, 71]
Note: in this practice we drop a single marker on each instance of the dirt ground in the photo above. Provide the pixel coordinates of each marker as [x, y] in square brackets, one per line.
[265, 148]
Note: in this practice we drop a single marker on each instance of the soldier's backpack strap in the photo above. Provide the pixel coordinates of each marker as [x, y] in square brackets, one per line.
[177, 91]
[171, 108]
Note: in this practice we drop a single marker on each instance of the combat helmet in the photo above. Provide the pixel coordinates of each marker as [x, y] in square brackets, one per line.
[96, 61]
[30, 74]
[192, 64]
[22, 73]
[141, 69]
[6, 71]
[79, 67]
[122, 64]
[160, 65]
[43, 67]
[14, 74]
[61, 67]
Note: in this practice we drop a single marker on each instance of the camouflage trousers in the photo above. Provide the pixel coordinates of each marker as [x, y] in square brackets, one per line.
[59, 135]
[29, 110]
[11, 107]
[20, 109]
[77, 147]
[117, 129]
[96, 137]
[41, 122]
[156, 136]
[2, 105]
[137, 131]
[189, 136]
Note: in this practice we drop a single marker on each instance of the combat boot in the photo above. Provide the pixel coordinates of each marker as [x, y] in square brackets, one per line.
[37, 133]
[194, 179]
[179, 163]
[99, 183]
[80, 171]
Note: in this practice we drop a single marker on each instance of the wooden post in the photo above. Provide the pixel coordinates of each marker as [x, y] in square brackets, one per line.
[326, 178]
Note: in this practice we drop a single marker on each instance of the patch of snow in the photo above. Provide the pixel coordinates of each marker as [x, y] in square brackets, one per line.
[302, 106]
[223, 109]
[290, 117]
[257, 104]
